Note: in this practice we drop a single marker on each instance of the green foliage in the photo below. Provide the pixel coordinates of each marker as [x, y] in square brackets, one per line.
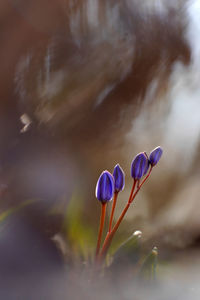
[148, 268]
[128, 252]
[128, 257]
[79, 233]
[4, 215]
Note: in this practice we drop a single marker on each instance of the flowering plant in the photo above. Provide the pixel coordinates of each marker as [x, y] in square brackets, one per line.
[109, 186]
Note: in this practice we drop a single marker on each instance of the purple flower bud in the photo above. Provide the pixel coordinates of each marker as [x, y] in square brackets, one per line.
[139, 165]
[147, 165]
[119, 177]
[155, 156]
[105, 187]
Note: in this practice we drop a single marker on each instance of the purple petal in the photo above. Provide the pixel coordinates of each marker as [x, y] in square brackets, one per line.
[155, 155]
[139, 165]
[119, 178]
[105, 187]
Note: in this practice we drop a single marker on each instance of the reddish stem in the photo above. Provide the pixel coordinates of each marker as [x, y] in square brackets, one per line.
[141, 184]
[112, 212]
[110, 234]
[101, 225]
[132, 196]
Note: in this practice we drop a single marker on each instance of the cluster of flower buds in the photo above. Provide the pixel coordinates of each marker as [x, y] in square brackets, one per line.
[141, 163]
[109, 185]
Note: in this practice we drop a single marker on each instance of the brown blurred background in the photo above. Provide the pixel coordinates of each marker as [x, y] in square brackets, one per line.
[86, 85]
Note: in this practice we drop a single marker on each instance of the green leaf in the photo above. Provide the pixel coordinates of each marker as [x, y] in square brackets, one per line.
[148, 268]
[4, 215]
[78, 232]
[128, 253]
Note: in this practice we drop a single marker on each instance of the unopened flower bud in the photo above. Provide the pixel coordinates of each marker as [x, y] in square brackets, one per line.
[147, 165]
[119, 178]
[155, 156]
[105, 187]
[139, 165]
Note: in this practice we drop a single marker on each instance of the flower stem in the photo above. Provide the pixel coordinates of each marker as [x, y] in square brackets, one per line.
[141, 184]
[110, 234]
[143, 181]
[112, 211]
[101, 225]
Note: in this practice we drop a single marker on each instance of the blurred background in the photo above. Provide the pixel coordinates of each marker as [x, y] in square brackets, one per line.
[86, 85]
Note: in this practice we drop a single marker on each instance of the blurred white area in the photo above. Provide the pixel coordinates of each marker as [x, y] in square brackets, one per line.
[99, 21]
[173, 122]
[193, 29]
[183, 122]
[179, 130]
